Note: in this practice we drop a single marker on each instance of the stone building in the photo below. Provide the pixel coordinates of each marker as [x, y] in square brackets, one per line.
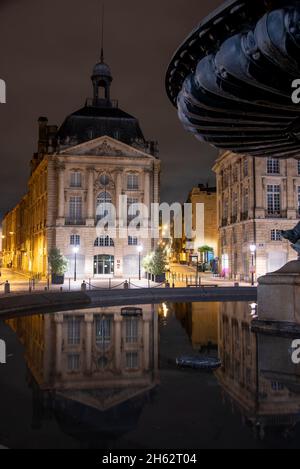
[97, 155]
[206, 229]
[257, 375]
[256, 199]
[96, 367]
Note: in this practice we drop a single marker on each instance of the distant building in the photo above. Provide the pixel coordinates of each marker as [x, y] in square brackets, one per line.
[208, 234]
[257, 198]
[98, 154]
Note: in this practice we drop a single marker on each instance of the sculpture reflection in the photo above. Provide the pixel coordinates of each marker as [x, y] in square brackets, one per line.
[93, 371]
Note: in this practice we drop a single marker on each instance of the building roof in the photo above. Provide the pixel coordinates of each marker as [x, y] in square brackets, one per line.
[91, 122]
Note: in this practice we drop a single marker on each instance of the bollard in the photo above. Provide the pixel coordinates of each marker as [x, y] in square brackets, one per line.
[126, 285]
[6, 288]
[61, 289]
[167, 285]
[236, 284]
[83, 286]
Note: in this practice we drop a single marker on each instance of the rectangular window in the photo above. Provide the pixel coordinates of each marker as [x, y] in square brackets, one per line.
[275, 235]
[103, 330]
[273, 166]
[132, 182]
[234, 204]
[74, 330]
[132, 241]
[73, 362]
[132, 330]
[298, 164]
[298, 200]
[75, 208]
[273, 200]
[75, 179]
[132, 360]
[75, 240]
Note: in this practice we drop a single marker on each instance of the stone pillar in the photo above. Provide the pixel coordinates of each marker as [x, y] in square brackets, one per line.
[147, 188]
[58, 319]
[90, 195]
[118, 340]
[61, 191]
[88, 320]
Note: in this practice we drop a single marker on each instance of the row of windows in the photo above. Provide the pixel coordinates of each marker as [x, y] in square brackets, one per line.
[103, 201]
[132, 180]
[273, 201]
[272, 167]
[275, 235]
[103, 241]
[132, 361]
[103, 328]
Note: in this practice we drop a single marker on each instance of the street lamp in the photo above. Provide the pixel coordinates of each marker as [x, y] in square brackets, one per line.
[140, 250]
[253, 251]
[75, 250]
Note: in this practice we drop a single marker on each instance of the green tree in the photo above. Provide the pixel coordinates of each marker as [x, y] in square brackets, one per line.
[204, 251]
[57, 262]
[158, 263]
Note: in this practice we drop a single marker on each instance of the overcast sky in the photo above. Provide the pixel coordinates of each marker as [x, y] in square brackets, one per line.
[48, 49]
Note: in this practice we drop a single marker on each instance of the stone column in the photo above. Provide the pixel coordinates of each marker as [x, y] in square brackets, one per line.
[58, 319]
[61, 191]
[118, 339]
[147, 188]
[90, 195]
[88, 320]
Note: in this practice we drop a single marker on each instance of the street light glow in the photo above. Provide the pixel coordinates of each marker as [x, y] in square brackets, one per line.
[140, 249]
[252, 248]
[75, 249]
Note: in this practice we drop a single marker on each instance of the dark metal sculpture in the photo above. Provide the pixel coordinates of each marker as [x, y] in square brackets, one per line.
[294, 237]
[231, 80]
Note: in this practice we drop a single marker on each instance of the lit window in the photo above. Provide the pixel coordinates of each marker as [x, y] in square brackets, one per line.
[273, 200]
[275, 235]
[75, 208]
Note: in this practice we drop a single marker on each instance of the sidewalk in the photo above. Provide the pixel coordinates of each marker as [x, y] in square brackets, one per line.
[19, 283]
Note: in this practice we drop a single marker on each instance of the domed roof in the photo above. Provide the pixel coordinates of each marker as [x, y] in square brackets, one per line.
[102, 69]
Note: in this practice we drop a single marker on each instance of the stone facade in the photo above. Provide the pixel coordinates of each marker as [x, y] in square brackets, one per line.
[207, 221]
[98, 155]
[256, 199]
[117, 353]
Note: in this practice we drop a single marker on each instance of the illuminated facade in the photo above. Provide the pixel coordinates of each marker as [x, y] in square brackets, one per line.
[97, 155]
[256, 199]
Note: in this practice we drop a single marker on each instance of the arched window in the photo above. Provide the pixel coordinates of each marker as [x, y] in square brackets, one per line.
[104, 241]
[103, 200]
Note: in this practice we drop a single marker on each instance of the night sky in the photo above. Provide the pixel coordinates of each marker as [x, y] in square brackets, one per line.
[48, 49]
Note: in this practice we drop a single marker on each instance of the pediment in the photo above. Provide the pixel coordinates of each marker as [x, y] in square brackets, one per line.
[105, 399]
[105, 146]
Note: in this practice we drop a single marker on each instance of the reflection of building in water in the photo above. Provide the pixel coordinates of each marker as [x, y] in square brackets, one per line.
[200, 321]
[257, 372]
[93, 368]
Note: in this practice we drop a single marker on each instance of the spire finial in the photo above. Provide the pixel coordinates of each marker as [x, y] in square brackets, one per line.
[102, 35]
